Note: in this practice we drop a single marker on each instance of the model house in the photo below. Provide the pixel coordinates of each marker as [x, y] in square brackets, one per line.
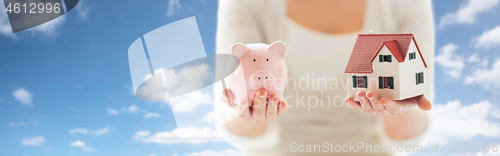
[389, 64]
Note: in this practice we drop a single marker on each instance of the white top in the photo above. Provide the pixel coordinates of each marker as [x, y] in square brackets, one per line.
[313, 55]
[329, 53]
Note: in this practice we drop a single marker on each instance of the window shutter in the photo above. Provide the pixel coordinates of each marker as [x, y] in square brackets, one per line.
[389, 58]
[391, 82]
[380, 58]
[411, 56]
[365, 82]
[417, 78]
[380, 82]
[422, 77]
[414, 55]
[354, 82]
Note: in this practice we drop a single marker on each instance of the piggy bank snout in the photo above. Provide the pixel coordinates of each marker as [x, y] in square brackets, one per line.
[261, 79]
[261, 76]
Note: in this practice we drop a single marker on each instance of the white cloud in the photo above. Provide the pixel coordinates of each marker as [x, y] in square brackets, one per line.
[487, 77]
[24, 96]
[189, 78]
[131, 109]
[86, 131]
[456, 121]
[35, 141]
[450, 63]
[188, 102]
[186, 80]
[182, 86]
[73, 109]
[135, 109]
[79, 130]
[209, 118]
[112, 111]
[228, 152]
[48, 29]
[468, 12]
[173, 137]
[152, 115]
[100, 131]
[81, 144]
[152, 155]
[489, 39]
[17, 124]
[88, 149]
[173, 7]
[78, 86]
[5, 28]
[474, 58]
[82, 9]
[78, 143]
[152, 88]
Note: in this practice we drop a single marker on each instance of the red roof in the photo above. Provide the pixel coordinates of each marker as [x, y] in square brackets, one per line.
[369, 45]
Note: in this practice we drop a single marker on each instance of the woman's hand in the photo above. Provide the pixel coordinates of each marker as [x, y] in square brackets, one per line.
[373, 104]
[260, 112]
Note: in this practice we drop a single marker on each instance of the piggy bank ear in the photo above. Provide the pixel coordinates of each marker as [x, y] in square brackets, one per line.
[279, 47]
[239, 49]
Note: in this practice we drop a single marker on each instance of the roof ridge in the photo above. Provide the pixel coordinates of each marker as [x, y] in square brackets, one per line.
[385, 34]
[393, 40]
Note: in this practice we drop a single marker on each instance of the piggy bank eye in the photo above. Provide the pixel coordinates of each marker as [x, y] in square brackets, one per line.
[253, 60]
[267, 59]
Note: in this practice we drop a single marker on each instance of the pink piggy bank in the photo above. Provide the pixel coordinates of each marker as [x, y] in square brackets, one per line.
[261, 66]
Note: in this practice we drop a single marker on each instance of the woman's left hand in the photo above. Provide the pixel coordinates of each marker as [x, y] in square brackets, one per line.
[373, 104]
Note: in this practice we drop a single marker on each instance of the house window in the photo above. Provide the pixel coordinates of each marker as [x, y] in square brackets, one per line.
[360, 81]
[419, 77]
[385, 82]
[413, 55]
[385, 58]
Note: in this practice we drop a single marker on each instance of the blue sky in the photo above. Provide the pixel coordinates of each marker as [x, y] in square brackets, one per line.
[66, 86]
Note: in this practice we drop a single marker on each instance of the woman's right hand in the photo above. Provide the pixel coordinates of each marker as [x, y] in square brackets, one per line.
[260, 112]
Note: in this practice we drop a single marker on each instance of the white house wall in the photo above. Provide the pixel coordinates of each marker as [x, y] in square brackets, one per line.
[379, 69]
[407, 71]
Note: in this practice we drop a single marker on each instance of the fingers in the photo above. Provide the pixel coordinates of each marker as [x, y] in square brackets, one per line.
[391, 105]
[353, 104]
[259, 106]
[365, 103]
[272, 107]
[227, 101]
[243, 110]
[374, 99]
[228, 97]
[283, 107]
[423, 103]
